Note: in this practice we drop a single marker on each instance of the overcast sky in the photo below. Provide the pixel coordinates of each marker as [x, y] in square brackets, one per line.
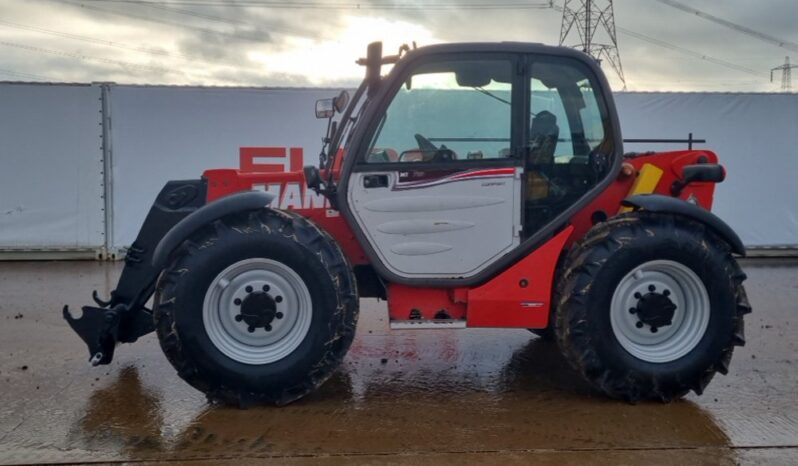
[257, 43]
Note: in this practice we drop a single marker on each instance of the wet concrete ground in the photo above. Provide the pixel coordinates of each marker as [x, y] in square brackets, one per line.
[442, 397]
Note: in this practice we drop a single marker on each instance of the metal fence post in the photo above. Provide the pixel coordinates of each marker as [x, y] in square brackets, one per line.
[108, 178]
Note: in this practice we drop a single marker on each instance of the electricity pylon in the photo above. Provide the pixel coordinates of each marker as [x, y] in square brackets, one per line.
[589, 17]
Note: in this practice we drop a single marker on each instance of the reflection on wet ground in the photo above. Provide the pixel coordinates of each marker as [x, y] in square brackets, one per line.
[420, 397]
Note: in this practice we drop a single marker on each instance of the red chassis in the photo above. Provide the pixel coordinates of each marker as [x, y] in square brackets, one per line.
[518, 297]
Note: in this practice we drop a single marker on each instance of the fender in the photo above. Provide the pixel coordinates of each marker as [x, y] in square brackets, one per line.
[666, 204]
[233, 203]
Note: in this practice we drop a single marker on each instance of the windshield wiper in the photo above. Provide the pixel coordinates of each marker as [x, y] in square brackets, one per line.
[491, 95]
[494, 96]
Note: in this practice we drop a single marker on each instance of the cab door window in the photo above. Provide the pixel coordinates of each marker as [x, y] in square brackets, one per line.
[448, 111]
[569, 142]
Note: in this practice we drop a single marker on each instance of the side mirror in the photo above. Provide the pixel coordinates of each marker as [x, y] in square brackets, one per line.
[312, 177]
[325, 108]
[341, 101]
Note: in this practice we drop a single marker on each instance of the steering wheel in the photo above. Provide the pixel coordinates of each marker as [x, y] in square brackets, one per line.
[439, 154]
[425, 144]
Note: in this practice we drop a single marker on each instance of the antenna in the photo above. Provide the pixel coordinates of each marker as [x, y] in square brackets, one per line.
[589, 17]
[786, 74]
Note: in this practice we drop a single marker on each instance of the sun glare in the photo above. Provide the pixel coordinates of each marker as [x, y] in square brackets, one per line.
[329, 61]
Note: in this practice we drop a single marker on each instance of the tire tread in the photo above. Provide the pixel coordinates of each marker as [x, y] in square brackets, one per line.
[299, 230]
[583, 264]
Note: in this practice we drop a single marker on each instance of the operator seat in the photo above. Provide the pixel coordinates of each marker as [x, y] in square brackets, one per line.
[543, 135]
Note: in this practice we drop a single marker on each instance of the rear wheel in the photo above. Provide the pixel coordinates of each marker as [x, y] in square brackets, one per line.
[258, 307]
[651, 306]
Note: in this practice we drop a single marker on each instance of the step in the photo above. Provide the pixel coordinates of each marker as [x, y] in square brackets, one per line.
[426, 324]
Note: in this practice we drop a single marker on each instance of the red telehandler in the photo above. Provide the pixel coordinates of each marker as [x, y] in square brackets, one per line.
[473, 185]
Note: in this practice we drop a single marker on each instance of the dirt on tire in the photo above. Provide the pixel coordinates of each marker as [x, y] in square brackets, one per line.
[282, 236]
[582, 316]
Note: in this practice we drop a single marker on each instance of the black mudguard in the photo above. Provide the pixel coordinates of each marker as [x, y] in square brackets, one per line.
[239, 202]
[178, 211]
[660, 203]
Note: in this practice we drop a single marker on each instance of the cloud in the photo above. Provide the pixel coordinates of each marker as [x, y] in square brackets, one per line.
[324, 61]
[228, 45]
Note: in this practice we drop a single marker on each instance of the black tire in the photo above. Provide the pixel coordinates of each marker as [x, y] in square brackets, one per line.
[546, 334]
[596, 266]
[280, 236]
[549, 334]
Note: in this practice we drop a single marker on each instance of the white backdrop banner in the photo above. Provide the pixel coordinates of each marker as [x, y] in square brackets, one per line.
[162, 134]
[756, 139]
[51, 167]
[52, 183]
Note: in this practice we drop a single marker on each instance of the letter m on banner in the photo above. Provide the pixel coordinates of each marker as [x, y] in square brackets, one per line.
[270, 159]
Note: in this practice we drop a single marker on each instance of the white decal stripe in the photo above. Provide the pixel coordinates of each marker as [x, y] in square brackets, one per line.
[472, 175]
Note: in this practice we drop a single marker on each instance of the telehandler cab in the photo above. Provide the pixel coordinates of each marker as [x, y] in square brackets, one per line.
[474, 185]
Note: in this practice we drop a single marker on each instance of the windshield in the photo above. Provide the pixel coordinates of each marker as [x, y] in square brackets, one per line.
[446, 110]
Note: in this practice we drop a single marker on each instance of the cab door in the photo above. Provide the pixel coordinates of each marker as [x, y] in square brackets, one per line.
[438, 193]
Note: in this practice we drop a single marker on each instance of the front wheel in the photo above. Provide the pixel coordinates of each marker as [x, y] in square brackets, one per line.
[258, 307]
[651, 306]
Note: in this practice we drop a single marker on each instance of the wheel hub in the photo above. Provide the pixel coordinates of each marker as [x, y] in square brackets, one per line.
[654, 309]
[660, 311]
[258, 310]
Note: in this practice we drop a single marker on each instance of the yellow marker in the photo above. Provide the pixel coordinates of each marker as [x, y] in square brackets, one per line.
[646, 182]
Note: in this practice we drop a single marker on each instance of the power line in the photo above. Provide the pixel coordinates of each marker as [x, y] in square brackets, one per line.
[218, 19]
[94, 40]
[783, 43]
[161, 6]
[317, 5]
[83, 57]
[687, 51]
[165, 22]
[20, 74]
[195, 14]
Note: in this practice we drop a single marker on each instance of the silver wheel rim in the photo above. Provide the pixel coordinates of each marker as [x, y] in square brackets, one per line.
[223, 302]
[690, 319]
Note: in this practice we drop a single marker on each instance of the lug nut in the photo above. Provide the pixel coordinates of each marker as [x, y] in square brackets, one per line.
[279, 315]
[666, 292]
[638, 296]
[632, 310]
[268, 328]
[250, 329]
[239, 318]
[266, 288]
[278, 299]
[248, 289]
[654, 329]
[652, 288]
[639, 325]
[237, 302]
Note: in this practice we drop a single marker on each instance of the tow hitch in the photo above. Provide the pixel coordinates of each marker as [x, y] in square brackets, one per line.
[102, 327]
[124, 317]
